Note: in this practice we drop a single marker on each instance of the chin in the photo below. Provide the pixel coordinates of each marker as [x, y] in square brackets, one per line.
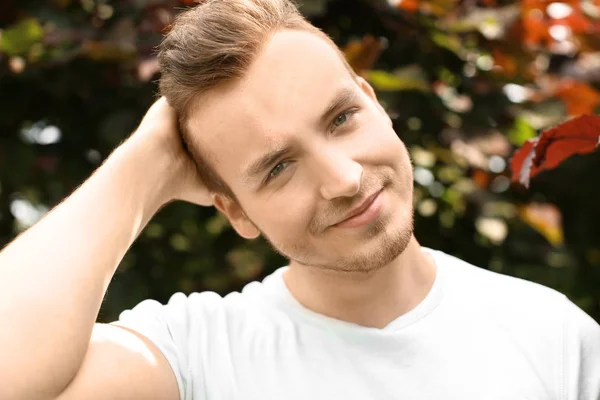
[387, 244]
[380, 244]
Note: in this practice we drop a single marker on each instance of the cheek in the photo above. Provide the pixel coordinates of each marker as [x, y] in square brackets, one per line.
[391, 144]
[288, 212]
[380, 144]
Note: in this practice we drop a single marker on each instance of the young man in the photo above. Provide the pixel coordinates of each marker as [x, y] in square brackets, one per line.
[287, 142]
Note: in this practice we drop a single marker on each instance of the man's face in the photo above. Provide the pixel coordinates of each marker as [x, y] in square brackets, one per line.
[328, 162]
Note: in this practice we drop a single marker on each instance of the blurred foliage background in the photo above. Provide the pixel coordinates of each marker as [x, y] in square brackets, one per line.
[465, 82]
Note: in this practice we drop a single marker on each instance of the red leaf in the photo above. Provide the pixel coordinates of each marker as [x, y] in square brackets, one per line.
[577, 136]
[579, 97]
[482, 178]
[521, 162]
[505, 62]
[535, 30]
[408, 5]
[362, 54]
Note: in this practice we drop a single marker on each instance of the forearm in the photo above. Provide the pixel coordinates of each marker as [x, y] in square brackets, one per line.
[54, 276]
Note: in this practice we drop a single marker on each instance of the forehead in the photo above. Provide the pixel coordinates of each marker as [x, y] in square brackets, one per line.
[287, 87]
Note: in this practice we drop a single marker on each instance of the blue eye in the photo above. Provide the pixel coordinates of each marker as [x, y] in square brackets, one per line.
[342, 118]
[275, 171]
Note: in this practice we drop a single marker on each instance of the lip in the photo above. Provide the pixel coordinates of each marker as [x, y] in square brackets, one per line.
[363, 214]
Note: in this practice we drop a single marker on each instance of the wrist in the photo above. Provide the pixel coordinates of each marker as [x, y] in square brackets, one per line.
[154, 169]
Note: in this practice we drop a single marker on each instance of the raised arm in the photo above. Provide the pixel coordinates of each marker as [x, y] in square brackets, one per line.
[53, 276]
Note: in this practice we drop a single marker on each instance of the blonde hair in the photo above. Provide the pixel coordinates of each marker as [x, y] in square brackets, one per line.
[213, 43]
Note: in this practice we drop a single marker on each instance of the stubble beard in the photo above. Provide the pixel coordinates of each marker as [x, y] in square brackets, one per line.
[389, 246]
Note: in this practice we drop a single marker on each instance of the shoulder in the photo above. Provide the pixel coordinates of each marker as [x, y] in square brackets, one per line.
[198, 329]
[527, 313]
[551, 331]
[183, 313]
[495, 290]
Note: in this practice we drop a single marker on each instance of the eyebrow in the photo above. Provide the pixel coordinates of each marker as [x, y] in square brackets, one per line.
[264, 162]
[344, 97]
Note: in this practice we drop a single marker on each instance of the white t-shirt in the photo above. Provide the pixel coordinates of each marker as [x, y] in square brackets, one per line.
[477, 335]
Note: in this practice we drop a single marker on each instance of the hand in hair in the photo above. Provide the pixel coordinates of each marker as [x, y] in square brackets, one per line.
[160, 126]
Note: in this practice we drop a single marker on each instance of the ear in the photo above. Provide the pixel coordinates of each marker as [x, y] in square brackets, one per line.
[369, 91]
[236, 216]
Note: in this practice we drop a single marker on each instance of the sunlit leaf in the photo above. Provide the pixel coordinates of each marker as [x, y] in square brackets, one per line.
[363, 53]
[19, 38]
[451, 42]
[579, 97]
[491, 22]
[386, 81]
[577, 136]
[406, 5]
[544, 218]
[521, 132]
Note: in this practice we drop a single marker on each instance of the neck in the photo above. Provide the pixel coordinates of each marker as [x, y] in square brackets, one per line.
[373, 299]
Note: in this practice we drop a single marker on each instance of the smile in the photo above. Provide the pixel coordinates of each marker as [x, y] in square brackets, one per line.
[369, 212]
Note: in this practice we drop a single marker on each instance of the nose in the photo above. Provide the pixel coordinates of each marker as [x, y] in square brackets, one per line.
[339, 175]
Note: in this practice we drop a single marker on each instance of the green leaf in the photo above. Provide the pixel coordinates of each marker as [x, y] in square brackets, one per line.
[491, 22]
[19, 38]
[521, 132]
[448, 41]
[397, 81]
